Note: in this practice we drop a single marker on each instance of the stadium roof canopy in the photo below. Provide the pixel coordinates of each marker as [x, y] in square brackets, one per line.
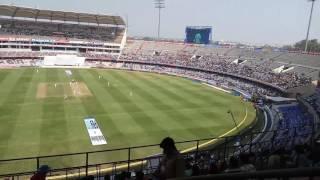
[23, 12]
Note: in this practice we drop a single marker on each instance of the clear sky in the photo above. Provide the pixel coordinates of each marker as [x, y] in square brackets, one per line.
[249, 21]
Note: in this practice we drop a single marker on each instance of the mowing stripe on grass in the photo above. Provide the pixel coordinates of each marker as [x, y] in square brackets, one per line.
[28, 111]
[215, 98]
[11, 107]
[209, 97]
[93, 107]
[207, 115]
[181, 100]
[140, 117]
[171, 112]
[126, 130]
[157, 103]
[8, 81]
[3, 75]
[74, 114]
[172, 93]
[53, 132]
[122, 116]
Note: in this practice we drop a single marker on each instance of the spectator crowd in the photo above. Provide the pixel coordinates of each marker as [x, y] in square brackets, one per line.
[49, 29]
[259, 71]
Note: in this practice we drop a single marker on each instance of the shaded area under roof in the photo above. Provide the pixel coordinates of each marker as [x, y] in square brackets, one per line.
[22, 12]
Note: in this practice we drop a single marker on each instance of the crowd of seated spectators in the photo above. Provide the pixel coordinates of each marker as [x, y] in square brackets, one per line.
[213, 79]
[208, 163]
[17, 62]
[290, 147]
[35, 54]
[299, 156]
[314, 100]
[73, 31]
[259, 71]
[214, 63]
[293, 127]
[218, 80]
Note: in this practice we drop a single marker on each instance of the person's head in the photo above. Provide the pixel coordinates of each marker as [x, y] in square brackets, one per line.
[167, 144]
[44, 169]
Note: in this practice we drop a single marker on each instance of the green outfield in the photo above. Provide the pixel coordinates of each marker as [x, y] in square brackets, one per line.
[41, 112]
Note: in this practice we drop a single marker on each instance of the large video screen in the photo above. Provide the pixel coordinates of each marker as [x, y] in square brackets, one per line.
[198, 35]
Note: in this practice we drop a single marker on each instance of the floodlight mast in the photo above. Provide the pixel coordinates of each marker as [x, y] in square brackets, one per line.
[159, 4]
[310, 18]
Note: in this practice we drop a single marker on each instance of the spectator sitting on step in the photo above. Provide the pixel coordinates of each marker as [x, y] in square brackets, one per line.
[41, 173]
[172, 164]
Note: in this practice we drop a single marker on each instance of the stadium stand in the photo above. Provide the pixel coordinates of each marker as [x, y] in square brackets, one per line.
[260, 70]
[218, 80]
[256, 70]
[302, 59]
[314, 100]
[68, 31]
[291, 146]
[34, 30]
[288, 138]
[294, 126]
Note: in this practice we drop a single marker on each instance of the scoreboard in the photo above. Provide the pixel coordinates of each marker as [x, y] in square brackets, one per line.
[198, 34]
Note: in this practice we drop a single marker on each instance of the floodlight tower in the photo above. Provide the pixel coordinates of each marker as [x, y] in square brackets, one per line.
[159, 4]
[310, 18]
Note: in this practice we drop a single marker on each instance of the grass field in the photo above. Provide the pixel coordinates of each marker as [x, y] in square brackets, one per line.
[135, 109]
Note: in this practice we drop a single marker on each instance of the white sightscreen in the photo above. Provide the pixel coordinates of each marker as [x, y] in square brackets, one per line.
[63, 60]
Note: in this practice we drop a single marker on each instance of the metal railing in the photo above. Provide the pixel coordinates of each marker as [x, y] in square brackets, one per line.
[128, 159]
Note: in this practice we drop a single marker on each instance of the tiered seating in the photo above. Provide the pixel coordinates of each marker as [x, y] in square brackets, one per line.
[260, 70]
[314, 100]
[7, 63]
[302, 59]
[221, 81]
[33, 28]
[294, 126]
[26, 54]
